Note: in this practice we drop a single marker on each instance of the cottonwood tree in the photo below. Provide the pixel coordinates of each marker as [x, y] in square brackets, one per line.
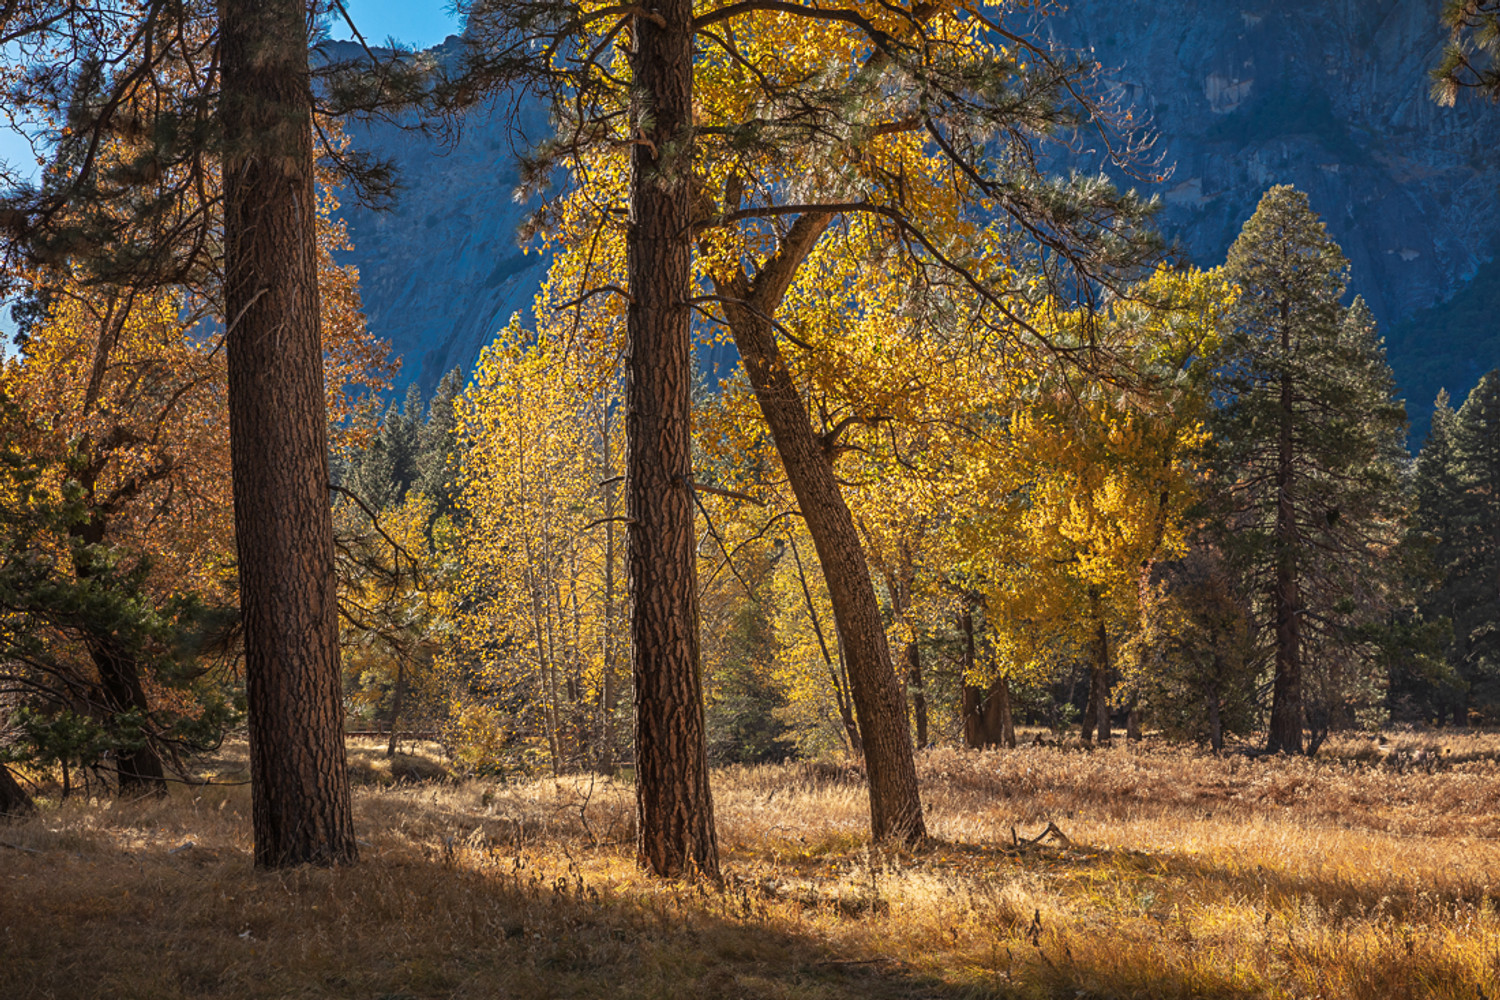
[535, 602]
[1307, 451]
[921, 118]
[132, 397]
[921, 121]
[85, 632]
[1076, 492]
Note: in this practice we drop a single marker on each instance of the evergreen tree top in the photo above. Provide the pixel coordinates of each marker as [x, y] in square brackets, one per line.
[1286, 263]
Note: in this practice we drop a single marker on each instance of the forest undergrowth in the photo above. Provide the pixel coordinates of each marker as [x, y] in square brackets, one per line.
[1165, 873]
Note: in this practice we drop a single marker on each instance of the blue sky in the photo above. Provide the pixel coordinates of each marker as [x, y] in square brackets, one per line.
[421, 23]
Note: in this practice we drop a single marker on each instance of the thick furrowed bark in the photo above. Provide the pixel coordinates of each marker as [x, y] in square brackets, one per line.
[300, 805]
[676, 833]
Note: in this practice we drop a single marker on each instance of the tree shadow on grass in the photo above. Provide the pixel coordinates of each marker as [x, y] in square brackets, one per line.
[463, 921]
[448, 903]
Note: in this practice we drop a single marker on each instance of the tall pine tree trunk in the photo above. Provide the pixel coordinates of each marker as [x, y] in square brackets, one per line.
[879, 698]
[675, 823]
[1286, 695]
[300, 805]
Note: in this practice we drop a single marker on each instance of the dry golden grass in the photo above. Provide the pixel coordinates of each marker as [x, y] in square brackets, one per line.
[1365, 873]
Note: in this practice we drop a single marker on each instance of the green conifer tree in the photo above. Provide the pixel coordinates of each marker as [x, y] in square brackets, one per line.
[435, 443]
[1308, 445]
[1472, 573]
[1437, 495]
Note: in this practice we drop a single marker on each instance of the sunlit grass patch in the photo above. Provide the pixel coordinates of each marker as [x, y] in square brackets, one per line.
[1177, 875]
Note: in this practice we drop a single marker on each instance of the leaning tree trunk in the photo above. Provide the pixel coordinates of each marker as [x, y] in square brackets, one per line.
[14, 801]
[675, 830]
[879, 698]
[300, 804]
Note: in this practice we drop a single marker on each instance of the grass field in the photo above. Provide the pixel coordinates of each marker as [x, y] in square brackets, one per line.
[1370, 872]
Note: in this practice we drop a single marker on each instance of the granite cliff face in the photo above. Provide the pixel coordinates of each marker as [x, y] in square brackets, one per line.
[1329, 95]
[441, 272]
[1332, 97]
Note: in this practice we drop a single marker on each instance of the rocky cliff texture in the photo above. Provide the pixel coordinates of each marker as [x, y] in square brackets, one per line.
[441, 271]
[1330, 96]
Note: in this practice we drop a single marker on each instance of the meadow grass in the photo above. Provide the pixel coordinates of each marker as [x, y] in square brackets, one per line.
[1369, 872]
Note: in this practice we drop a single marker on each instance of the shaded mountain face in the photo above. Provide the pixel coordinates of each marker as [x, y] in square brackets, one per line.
[442, 271]
[1330, 96]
